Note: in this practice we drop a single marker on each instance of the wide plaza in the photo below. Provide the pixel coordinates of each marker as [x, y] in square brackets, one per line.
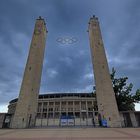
[71, 134]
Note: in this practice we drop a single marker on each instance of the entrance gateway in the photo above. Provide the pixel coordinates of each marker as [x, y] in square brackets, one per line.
[26, 107]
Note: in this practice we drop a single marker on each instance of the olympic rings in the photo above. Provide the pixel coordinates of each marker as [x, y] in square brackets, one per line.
[66, 40]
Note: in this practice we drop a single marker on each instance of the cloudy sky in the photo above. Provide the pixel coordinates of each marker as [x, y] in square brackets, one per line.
[67, 68]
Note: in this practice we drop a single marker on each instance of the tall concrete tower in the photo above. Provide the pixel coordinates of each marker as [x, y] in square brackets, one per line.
[106, 101]
[26, 108]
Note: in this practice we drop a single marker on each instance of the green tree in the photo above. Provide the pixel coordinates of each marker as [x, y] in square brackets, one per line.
[123, 92]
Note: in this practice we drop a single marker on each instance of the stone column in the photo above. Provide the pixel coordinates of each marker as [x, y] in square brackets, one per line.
[74, 110]
[66, 107]
[42, 106]
[47, 111]
[54, 112]
[73, 105]
[106, 101]
[133, 119]
[80, 112]
[86, 113]
[26, 107]
[60, 107]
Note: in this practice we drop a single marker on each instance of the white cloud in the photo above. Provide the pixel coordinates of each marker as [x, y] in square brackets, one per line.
[52, 73]
[89, 76]
[67, 60]
[137, 106]
[3, 108]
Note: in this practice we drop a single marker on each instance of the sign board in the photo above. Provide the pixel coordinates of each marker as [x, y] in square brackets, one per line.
[66, 120]
[63, 122]
[70, 121]
[104, 122]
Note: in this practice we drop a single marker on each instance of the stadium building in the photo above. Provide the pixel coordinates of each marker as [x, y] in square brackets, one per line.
[63, 109]
[71, 109]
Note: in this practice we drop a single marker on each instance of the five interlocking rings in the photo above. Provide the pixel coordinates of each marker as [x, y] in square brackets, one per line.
[66, 40]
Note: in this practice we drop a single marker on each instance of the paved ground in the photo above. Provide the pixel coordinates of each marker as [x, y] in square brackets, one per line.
[71, 134]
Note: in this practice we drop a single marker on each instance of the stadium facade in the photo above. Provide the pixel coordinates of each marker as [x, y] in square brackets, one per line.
[71, 109]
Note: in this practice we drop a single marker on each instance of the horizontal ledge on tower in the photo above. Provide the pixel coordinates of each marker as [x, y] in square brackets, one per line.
[94, 17]
[40, 18]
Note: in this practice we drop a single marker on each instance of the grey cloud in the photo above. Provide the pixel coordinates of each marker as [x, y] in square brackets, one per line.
[67, 68]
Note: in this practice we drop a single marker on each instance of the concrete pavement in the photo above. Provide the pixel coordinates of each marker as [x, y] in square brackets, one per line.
[71, 134]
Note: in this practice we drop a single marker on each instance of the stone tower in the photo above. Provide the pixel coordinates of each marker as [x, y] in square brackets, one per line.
[26, 108]
[106, 101]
